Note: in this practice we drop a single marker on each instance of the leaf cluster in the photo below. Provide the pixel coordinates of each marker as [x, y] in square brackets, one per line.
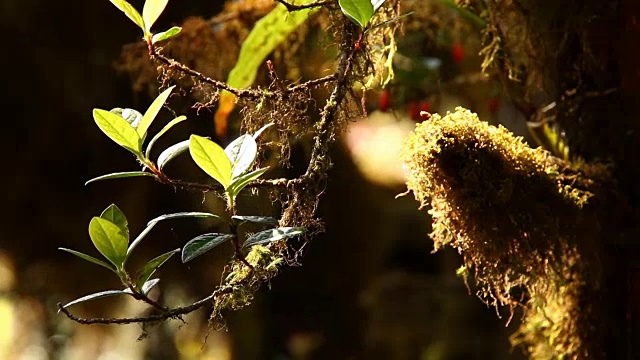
[150, 13]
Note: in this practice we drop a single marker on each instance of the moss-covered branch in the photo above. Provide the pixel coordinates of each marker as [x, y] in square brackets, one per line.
[522, 222]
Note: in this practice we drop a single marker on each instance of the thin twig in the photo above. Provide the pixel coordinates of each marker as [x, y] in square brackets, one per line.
[311, 83]
[293, 7]
[173, 64]
[142, 297]
[174, 313]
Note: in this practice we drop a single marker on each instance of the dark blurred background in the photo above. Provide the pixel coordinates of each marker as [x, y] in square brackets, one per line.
[369, 287]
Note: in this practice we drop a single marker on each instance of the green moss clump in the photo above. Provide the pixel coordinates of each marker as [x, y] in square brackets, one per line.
[513, 214]
[242, 282]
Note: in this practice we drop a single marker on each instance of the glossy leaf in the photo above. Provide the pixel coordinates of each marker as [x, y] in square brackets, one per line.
[95, 296]
[261, 130]
[203, 243]
[152, 111]
[267, 220]
[267, 34]
[109, 239]
[359, 11]
[132, 116]
[242, 153]
[182, 215]
[118, 130]
[166, 128]
[165, 35]
[211, 158]
[171, 152]
[150, 268]
[273, 235]
[244, 180]
[139, 238]
[130, 11]
[151, 12]
[120, 175]
[116, 216]
[147, 286]
[376, 4]
[89, 258]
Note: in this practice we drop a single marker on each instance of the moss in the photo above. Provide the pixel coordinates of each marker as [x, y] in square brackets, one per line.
[516, 215]
[244, 282]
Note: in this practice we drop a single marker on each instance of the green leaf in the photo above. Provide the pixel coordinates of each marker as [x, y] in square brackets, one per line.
[267, 220]
[152, 111]
[244, 180]
[166, 128]
[273, 235]
[150, 268]
[95, 296]
[242, 153]
[116, 216]
[267, 34]
[151, 12]
[161, 36]
[261, 130]
[171, 152]
[182, 215]
[211, 158]
[146, 287]
[89, 258]
[130, 11]
[139, 238]
[203, 243]
[359, 11]
[118, 130]
[120, 175]
[132, 116]
[109, 239]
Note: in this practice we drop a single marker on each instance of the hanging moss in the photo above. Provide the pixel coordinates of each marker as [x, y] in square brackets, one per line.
[516, 215]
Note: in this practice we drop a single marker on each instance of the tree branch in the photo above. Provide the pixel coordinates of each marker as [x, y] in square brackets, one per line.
[293, 7]
[174, 313]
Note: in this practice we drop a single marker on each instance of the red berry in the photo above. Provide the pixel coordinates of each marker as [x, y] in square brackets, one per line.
[383, 100]
[457, 52]
[414, 111]
[494, 105]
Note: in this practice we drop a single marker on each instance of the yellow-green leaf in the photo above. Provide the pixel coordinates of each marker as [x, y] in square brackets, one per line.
[266, 35]
[359, 11]
[211, 158]
[152, 112]
[130, 11]
[118, 130]
[116, 216]
[109, 239]
[161, 36]
[166, 128]
[151, 12]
